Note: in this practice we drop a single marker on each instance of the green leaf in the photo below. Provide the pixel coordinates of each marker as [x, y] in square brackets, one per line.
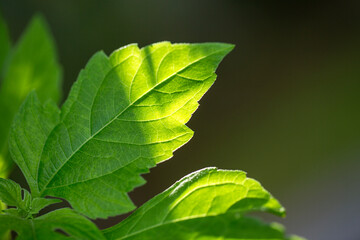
[124, 114]
[207, 204]
[5, 46]
[224, 227]
[59, 224]
[32, 64]
[13, 195]
[41, 203]
[31, 127]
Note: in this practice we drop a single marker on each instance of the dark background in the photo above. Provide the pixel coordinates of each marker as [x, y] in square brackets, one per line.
[285, 107]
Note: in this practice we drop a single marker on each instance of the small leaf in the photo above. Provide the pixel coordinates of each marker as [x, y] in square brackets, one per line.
[10, 192]
[13, 195]
[41, 203]
[31, 64]
[124, 114]
[59, 224]
[207, 204]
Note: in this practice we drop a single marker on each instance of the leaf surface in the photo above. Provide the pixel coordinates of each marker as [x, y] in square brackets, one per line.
[38, 204]
[31, 127]
[59, 224]
[125, 113]
[207, 204]
[13, 195]
[31, 64]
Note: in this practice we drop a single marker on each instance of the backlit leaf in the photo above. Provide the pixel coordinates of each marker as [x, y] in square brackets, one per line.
[125, 113]
[207, 204]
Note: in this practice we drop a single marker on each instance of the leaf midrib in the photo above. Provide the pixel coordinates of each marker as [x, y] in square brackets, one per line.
[130, 105]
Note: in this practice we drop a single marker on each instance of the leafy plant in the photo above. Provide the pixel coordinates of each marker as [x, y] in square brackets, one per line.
[125, 114]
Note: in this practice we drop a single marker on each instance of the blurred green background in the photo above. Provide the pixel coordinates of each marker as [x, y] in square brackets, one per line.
[285, 107]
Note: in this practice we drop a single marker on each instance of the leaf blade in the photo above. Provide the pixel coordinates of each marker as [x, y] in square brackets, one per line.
[225, 227]
[38, 204]
[10, 192]
[207, 204]
[44, 227]
[120, 128]
[30, 129]
[13, 195]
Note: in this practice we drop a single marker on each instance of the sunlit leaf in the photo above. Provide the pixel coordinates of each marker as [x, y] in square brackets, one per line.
[207, 204]
[124, 114]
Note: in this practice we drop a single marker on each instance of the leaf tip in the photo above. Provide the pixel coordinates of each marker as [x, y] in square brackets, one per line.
[39, 19]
